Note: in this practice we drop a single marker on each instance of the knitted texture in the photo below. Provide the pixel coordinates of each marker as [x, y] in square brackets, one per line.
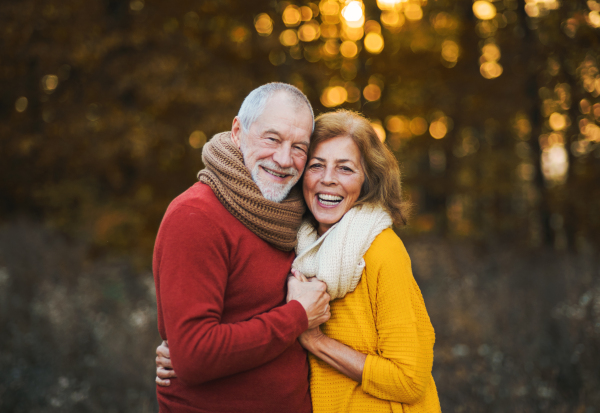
[385, 318]
[227, 175]
[336, 257]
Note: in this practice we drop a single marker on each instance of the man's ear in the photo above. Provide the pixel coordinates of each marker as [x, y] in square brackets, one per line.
[236, 132]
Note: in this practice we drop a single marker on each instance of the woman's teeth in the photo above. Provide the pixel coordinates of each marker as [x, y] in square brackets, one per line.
[329, 200]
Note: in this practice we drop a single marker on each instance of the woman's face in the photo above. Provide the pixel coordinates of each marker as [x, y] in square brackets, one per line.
[332, 181]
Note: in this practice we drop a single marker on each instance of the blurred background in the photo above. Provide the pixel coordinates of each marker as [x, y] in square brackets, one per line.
[492, 108]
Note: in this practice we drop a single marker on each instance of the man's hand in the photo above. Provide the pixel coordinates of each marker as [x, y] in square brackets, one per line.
[164, 368]
[313, 297]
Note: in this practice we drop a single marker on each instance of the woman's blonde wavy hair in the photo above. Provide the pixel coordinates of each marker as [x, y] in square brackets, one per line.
[382, 174]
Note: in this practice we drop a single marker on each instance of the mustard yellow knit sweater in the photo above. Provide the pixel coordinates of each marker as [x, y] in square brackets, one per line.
[385, 318]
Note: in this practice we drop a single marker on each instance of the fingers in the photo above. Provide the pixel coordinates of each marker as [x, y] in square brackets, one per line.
[318, 285]
[163, 383]
[163, 373]
[163, 352]
[163, 362]
[299, 276]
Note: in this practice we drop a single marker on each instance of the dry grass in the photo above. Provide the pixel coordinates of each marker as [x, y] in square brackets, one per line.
[517, 330]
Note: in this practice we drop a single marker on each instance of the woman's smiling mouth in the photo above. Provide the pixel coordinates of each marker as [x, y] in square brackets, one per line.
[329, 200]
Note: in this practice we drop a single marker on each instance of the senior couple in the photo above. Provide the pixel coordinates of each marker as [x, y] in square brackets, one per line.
[237, 324]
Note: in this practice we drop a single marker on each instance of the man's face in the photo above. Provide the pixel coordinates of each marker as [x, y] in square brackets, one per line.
[276, 145]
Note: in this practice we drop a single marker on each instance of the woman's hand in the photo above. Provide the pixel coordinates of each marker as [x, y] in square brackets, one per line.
[164, 368]
[310, 338]
[299, 276]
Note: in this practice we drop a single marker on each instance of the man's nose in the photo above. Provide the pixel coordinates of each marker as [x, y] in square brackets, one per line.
[283, 157]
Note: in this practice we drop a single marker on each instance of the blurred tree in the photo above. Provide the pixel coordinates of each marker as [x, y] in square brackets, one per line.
[491, 106]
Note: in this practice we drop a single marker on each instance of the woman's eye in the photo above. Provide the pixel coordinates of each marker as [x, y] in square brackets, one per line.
[346, 169]
[315, 166]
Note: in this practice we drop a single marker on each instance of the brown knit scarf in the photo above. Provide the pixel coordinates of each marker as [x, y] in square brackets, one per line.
[225, 172]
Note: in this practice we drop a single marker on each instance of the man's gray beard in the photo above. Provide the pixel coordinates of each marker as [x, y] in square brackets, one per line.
[270, 190]
[273, 191]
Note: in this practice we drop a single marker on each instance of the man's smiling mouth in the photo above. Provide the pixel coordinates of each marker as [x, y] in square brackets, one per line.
[277, 174]
[329, 200]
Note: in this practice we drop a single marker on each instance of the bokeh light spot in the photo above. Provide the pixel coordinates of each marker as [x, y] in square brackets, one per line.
[334, 96]
[239, 34]
[490, 52]
[413, 12]
[450, 51]
[309, 31]
[438, 129]
[136, 5]
[197, 139]
[21, 104]
[555, 163]
[331, 47]
[490, 70]
[372, 26]
[394, 124]
[484, 10]
[389, 4]
[329, 31]
[291, 16]
[306, 13]
[263, 24]
[348, 49]
[557, 121]
[353, 33]
[596, 110]
[594, 19]
[418, 126]
[392, 20]
[288, 38]
[329, 7]
[353, 12]
[372, 92]
[49, 83]
[374, 43]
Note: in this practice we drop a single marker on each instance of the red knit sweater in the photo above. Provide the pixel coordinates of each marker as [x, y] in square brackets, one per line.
[220, 292]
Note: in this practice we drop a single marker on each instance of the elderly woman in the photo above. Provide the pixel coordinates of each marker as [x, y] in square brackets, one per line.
[376, 352]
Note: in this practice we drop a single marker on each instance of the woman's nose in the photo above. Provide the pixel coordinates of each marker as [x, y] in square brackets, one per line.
[329, 177]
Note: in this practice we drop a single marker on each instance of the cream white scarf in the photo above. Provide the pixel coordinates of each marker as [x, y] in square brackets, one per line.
[336, 257]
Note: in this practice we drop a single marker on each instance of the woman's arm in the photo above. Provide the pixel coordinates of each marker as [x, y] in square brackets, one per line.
[401, 369]
[339, 356]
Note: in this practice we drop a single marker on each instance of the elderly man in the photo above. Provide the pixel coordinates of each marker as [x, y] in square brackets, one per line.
[221, 262]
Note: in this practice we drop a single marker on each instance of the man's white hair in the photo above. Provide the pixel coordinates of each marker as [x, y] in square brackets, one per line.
[254, 104]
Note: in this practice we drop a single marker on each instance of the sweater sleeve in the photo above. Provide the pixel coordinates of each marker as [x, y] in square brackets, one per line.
[193, 267]
[401, 371]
